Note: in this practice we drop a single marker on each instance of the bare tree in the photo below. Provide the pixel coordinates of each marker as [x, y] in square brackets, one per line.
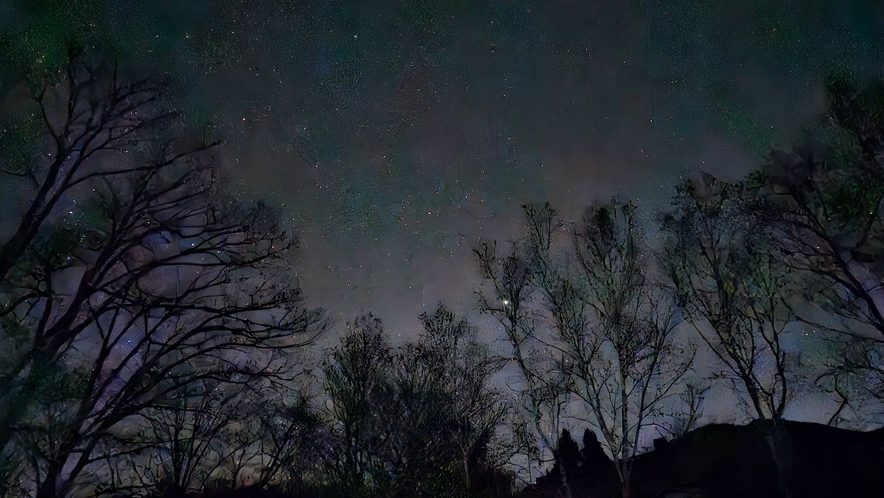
[214, 439]
[154, 325]
[294, 445]
[615, 331]
[178, 442]
[357, 383]
[823, 202]
[511, 299]
[824, 199]
[89, 114]
[96, 127]
[161, 284]
[444, 378]
[611, 359]
[721, 261]
[688, 410]
[419, 420]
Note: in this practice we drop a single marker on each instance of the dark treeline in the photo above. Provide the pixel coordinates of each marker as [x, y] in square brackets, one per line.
[153, 332]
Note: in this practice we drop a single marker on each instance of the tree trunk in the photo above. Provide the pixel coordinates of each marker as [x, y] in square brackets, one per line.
[783, 455]
[624, 472]
[753, 396]
[466, 472]
[47, 488]
[31, 222]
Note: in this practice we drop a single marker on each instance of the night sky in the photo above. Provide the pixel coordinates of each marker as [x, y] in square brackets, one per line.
[397, 134]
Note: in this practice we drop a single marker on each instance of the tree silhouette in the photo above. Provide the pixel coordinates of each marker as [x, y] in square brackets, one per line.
[152, 284]
[186, 442]
[608, 338]
[449, 372]
[418, 420]
[511, 301]
[823, 202]
[358, 386]
[722, 265]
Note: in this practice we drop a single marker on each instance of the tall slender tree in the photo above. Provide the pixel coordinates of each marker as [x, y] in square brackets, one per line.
[617, 329]
[511, 298]
[603, 341]
[358, 385]
[722, 263]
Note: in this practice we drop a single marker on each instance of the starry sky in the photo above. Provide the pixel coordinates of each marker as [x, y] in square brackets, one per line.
[397, 134]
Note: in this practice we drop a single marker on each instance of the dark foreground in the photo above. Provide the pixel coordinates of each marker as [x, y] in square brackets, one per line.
[758, 460]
